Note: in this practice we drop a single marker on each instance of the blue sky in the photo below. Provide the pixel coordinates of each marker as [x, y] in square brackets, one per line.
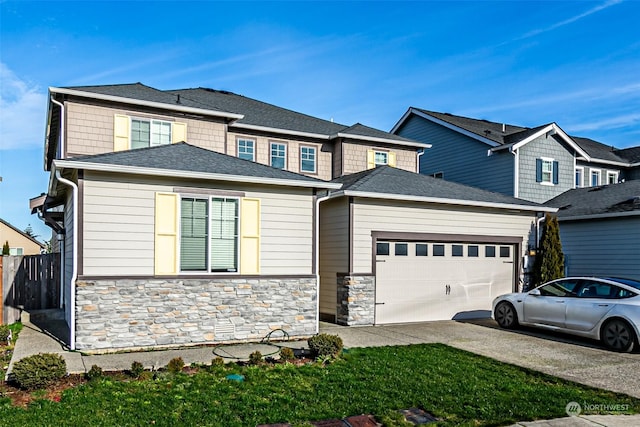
[575, 63]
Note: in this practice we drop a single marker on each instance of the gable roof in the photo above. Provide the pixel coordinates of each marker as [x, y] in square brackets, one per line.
[605, 201]
[392, 183]
[22, 233]
[188, 161]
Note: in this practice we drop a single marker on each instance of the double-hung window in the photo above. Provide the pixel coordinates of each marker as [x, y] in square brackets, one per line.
[595, 178]
[278, 155]
[381, 158]
[579, 177]
[149, 133]
[612, 177]
[246, 149]
[209, 234]
[547, 171]
[308, 159]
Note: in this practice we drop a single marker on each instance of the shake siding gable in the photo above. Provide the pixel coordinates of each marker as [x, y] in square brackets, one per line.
[461, 158]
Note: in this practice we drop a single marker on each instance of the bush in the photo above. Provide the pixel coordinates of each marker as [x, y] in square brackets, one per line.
[255, 358]
[217, 361]
[95, 373]
[175, 365]
[136, 370]
[287, 354]
[39, 370]
[323, 345]
[5, 331]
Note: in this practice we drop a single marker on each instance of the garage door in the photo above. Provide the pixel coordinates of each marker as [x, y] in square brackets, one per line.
[422, 281]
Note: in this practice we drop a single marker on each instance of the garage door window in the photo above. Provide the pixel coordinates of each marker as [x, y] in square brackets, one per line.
[382, 249]
[489, 251]
[457, 250]
[422, 249]
[402, 249]
[438, 250]
[472, 251]
[505, 252]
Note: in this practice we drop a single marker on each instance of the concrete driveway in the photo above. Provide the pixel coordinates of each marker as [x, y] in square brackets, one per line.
[571, 358]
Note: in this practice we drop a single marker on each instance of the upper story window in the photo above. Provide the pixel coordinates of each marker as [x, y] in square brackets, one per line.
[308, 159]
[612, 177]
[278, 155]
[149, 133]
[595, 178]
[547, 171]
[381, 158]
[579, 177]
[246, 149]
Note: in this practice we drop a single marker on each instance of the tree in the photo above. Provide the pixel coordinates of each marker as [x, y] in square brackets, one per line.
[5, 248]
[29, 231]
[549, 262]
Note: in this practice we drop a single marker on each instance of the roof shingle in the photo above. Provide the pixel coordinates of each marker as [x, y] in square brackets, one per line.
[606, 199]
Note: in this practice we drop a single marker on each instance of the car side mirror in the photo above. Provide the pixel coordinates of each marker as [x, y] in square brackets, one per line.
[535, 292]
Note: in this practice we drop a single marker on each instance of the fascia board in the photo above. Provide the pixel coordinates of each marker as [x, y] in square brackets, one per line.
[444, 201]
[132, 101]
[280, 131]
[381, 140]
[400, 122]
[571, 142]
[609, 162]
[599, 216]
[101, 167]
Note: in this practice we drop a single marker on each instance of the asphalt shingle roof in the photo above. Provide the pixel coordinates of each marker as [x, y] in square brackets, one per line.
[388, 180]
[606, 199]
[598, 150]
[185, 157]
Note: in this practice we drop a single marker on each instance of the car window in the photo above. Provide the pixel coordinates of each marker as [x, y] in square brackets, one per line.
[562, 288]
[593, 289]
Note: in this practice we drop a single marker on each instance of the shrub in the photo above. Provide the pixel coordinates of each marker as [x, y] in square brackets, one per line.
[175, 365]
[323, 345]
[5, 332]
[255, 358]
[95, 373]
[217, 361]
[136, 369]
[549, 262]
[39, 370]
[287, 354]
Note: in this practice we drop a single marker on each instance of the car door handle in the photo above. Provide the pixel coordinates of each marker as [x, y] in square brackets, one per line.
[560, 302]
[603, 305]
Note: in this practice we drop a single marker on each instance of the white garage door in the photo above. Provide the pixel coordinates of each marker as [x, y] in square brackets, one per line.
[422, 281]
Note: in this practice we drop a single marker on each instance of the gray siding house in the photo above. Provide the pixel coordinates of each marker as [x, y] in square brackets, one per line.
[534, 164]
[600, 229]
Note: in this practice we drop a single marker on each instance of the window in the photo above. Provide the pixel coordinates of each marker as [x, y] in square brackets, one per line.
[149, 133]
[246, 149]
[402, 249]
[16, 251]
[595, 178]
[472, 251]
[562, 288]
[489, 251]
[439, 175]
[308, 159]
[382, 248]
[547, 171]
[612, 177]
[438, 250]
[381, 158]
[456, 250]
[209, 234]
[579, 177]
[505, 251]
[278, 155]
[422, 249]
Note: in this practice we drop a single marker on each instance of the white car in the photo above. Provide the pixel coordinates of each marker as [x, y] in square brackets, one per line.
[605, 309]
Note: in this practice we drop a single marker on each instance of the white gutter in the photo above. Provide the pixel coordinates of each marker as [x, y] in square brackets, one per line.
[282, 131]
[317, 255]
[444, 201]
[420, 153]
[600, 216]
[74, 271]
[516, 172]
[162, 105]
[102, 167]
[609, 162]
[62, 137]
[382, 140]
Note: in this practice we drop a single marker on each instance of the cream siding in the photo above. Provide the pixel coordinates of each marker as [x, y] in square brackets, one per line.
[379, 215]
[119, 225]
[334, 250]
[67, 253]
[17, 240]
[355, 156]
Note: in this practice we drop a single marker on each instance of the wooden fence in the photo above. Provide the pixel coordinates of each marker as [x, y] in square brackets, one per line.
[30, 282]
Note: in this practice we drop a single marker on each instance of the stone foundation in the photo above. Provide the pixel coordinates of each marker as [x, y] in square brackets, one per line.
[356, 300]
[137, 313]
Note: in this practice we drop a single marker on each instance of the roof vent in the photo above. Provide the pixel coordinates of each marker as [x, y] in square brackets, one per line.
[178, 100]
[487, 131]
[504, 128]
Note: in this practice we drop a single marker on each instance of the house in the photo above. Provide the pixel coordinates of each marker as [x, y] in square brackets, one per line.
[600, 229]
[535, 164]
[201, 216]
[20, 243]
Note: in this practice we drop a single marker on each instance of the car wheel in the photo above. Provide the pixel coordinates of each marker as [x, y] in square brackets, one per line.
[506, 315]
[618, 335]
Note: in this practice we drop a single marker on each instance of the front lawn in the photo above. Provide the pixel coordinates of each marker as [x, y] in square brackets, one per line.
[455, 386]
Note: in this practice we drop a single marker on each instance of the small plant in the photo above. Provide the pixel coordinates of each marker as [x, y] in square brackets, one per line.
[175, 365]
[287, 354]
[39, 371]
[136, 370]
[255, 358]
[95, 373]
[325, 345]
[5, 334]
[6, 250]
[217, 361]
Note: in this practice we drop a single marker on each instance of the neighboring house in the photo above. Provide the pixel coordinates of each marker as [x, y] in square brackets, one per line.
[20, 243]
[409, 248]
[534, 164]
[600, 229]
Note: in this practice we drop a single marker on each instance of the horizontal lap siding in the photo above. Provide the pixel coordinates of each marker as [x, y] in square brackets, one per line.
[608, 247]
[372, 215]
[334, 249]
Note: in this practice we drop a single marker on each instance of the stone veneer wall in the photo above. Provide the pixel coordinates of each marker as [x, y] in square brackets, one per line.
[134, 313]
[356, 300]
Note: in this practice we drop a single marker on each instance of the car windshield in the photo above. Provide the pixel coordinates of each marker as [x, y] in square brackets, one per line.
[628, 282]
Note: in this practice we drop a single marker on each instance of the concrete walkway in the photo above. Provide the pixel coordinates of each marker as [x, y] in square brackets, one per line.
[565, 357]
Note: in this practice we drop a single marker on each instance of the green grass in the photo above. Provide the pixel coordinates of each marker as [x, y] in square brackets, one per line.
[456, 386]
[7, 350]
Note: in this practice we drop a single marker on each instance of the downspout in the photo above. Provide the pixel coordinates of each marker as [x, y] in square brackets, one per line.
[420, 153]
[62, 136]
[538, 221]
[317, 260]
[74, 260]
[516, 171]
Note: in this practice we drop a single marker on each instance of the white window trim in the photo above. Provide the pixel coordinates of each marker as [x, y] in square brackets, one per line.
[150, 120]
[550, 182]
[597, 172]
[386, 157]
[13, 251]
[253, 145]
[315, 158]
[581, 168]
[615, 174]
[286, 151]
